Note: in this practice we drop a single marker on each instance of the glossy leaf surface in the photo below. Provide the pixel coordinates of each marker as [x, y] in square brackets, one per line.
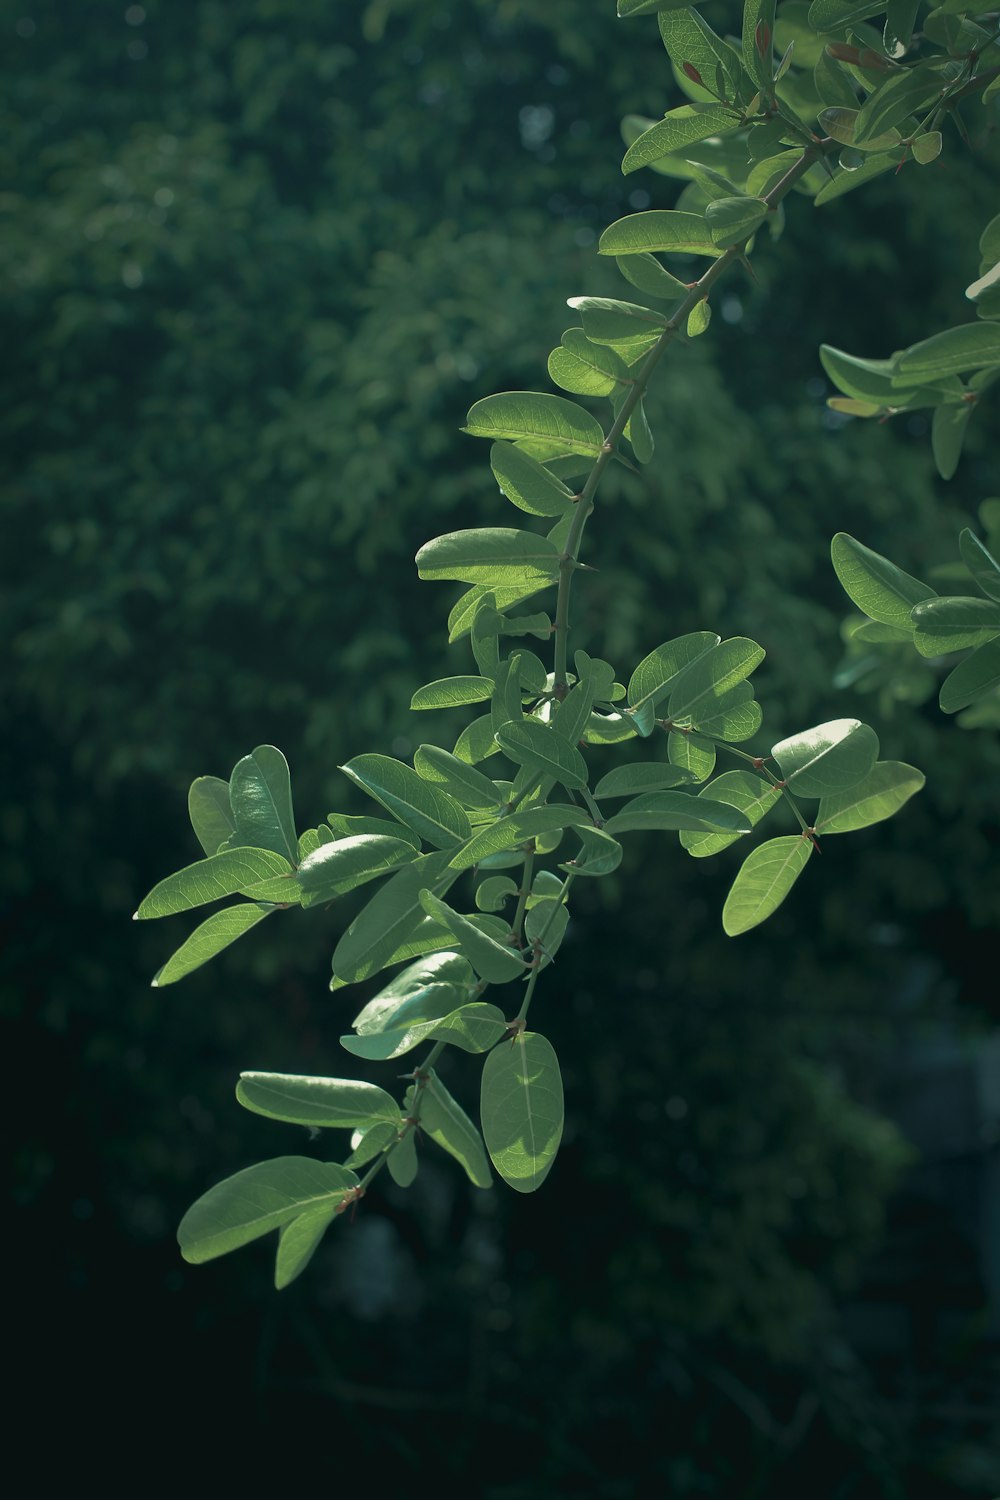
[828, 758]
[260, 795]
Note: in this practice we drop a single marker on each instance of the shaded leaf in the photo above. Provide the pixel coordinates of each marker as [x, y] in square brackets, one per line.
[348, 863]
[640, 776]
[943, 625]
[676, 810]
[474, 1027]
[390, 919]
[531, 743]
[518, 828]
[732, 220]
[752, 795]
[973, 678]
[527, 483]
[656, 673]
[455, 777]
[879, 589]
[981, 564]
[492, 960]
[599, 853]
[298, 1242]
[260, 795]
[447, 1124]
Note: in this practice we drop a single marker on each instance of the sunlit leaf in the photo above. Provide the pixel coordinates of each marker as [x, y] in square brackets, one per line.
[658, 229]
[298, 1242]
[258, 1199]
[431, 813]
[527, 483]
[972, 346]
[981, 564]
[230, 872]
[876, 585]
[531, 743]
[751, 795]
[828, 758]
[677, 810]
[640, 776]
[764, 880]
[343, 1103]
[656, 673]
[679, 128]
[522, 1110]
[519, 415]
[215, 933]
[732, 220]
[943, 625]
[455, 777]
[885, 789]
[447, 1124]
[334, 869]
[390, 919]
[494, 555]
[260, 795]
[515, 829]
[452, 692]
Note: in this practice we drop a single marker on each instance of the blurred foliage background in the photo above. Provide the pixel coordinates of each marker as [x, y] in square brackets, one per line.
[258, 258]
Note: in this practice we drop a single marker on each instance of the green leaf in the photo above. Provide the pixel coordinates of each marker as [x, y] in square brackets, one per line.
[846, 182]
[517, 415]
[210, 813]
[626, 326]
[658, 229]
[452, 692]
[750, 794]
[763, 881]
[447, 1124]
[402, 1160]
[527, 483]
[390, 919]
[676, 810]
[572, 715]
[733, 220]
[700, 689]
[224, 874]
[842, 125]
[588, 369]
[454, 777]
[371, 1143]
[679, 128]
[600, 854]
[214, 934]
[494, 893]
[883, 791]
[343, 1103]
[947, 436]
[465, 609]
[656, 673]
[494, 555]
[522, 1110]
[258, 1199]
[735, 716]
[608, 729]
[972, 346]
[828, 758]
[638, 431]
[348, 863]
[428, 989]
[545, 924]
[518, 828]
[260, 794]
[900, 18]
[646, 7]
[349, 826]
[298, 1242]
[431, 813]
[474, 1027]
[867, 380]
[897, 97]
[981, 564]
[476, 742]
[758, 42]
[835, 15]
[689, 39]
[879, 589]
[646, 273]
[537, 745]
[699, 318]
[640, 776]
[492, 960]
[973, 678]
[691, 753]
[943, 625]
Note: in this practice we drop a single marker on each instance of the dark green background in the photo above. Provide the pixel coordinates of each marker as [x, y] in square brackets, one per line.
[258, 259]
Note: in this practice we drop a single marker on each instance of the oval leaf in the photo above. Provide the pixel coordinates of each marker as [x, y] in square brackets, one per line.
[261, 1198]
[828, 758]
[883, 792]
[319, 1102]
[764, 880]
[522, 1110]
[518, 415]
[495, 555]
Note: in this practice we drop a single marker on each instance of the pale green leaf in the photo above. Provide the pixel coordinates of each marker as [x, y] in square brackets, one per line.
[627, 326]
[260, 795]
[447, 1124]
[666, 230]
[349, 826]
[494, 555]
[586, 368]
[431, 813]
[527, 483]
[599, 853]
[656, 673]
[223, 874]
[879, 589]
[518, 415]
[492, 960]
[691, 753]
[474, 1027]
[537, 745]
[346, 864]
[828, 758]
[455, 777]
[210, 813]
[763, 881]
[640, 776]
[677, 810]
[522, 1110]
[390, 920]
[751, 795]
[258, 1199]
[298, 1242]
[214, 934]
[701, 687]
[452, 692]
[943, 625]
[515, 829]
[972, 346]
[731, 221]
[343, 1103]
[883, 792]
[678, 129]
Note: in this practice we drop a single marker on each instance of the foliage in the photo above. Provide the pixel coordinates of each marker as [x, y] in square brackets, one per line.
[751, 147]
